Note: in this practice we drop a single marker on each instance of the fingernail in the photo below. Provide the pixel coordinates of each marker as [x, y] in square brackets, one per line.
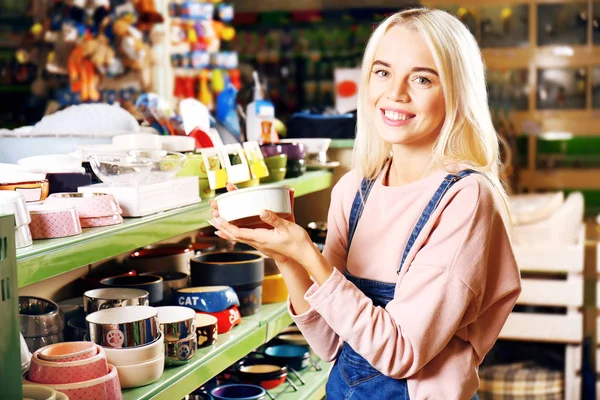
[221, 220]
[210, 222]
[264, 214]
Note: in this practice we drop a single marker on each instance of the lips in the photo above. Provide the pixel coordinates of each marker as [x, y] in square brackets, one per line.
[396, 119]
[396, 114]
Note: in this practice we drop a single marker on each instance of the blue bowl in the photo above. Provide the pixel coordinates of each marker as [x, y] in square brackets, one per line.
[239, 392]
[209, 299]
[293, 356]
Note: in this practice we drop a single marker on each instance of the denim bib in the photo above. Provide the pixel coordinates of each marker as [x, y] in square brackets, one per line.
[353, 377]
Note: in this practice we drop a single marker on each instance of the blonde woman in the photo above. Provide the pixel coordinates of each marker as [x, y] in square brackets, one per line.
[417, 276]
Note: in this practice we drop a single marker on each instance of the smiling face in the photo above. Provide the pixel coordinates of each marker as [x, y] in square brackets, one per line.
[405, 97]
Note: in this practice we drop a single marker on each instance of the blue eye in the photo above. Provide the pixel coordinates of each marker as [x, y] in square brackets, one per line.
[422, 80]
[381, 73]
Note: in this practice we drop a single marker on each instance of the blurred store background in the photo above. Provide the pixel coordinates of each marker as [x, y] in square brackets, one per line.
[543, 60]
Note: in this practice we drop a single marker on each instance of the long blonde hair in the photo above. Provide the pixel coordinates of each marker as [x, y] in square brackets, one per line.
[467, 135]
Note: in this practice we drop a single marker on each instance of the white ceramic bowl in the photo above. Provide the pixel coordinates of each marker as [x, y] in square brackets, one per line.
[242, 207]
[14, 203]
[141, 374]
[52, 163]
[135, 355]
[178, 143]
[311, 146]
[137, 141]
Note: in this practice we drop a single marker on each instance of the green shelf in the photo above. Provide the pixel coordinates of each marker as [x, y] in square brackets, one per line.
[177, 382]
[342, 144]
[51, 257]
[275, 317]
[312, 389]
[254, 331]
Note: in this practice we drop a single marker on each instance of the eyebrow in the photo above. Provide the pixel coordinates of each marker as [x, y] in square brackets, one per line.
[415, 69]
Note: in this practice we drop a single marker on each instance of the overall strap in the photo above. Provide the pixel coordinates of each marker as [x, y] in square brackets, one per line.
[447, 183]
[358, 206]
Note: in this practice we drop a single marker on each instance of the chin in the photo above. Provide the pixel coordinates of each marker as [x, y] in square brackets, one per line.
[394, 135]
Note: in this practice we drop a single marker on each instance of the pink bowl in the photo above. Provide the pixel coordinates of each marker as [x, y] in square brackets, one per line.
[100, 221]
[106, 387]
[49, 223]
[68, 351]
[41, 371]
[88, 205]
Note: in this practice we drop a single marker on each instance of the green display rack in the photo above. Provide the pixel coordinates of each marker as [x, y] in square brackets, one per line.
[342, 144]
[49, 258]
[10, 360]
[254, 331]
[312, 386]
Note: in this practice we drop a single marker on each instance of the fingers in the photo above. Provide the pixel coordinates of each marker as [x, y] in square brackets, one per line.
[215, 209]
[232, 232]
[231, 187]
[273, 219]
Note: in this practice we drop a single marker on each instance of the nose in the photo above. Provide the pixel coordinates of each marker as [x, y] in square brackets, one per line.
[398, 91]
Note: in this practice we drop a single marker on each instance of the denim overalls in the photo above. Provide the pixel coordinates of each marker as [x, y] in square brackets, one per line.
[352, 377]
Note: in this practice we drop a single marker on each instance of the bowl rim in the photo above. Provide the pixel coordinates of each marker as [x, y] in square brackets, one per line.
[252, 189]
[258, 255]
[132, 314]
[179, 156]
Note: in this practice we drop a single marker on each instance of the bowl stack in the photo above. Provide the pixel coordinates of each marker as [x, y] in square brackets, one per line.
[78, 369]
[316, 150]
[133, 342]
[217, 308]
[194, 166]
[178, 327]
[42, 322]
[243, 271]
[94, 209]
[14, 203]
[276, 161]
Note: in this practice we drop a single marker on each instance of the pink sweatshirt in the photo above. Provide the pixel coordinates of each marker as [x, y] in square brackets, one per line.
[457, 287]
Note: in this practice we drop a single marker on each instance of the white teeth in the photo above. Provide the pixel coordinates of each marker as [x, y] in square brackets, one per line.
[395, 116]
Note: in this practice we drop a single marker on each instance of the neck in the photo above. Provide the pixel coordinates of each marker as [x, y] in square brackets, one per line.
[409, 164]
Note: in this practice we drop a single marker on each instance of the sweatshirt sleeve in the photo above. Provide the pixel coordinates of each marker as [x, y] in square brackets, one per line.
[441, 292]
[319, 335]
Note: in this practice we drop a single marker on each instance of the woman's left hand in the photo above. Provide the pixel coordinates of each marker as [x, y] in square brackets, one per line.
[285, 241]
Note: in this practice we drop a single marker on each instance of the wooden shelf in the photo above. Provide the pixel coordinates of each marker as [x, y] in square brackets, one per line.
[561, 179]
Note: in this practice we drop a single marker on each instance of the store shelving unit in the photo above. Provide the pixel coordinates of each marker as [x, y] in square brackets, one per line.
[10, 362]
[254, 331]
[313, 389]
[49, 258]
